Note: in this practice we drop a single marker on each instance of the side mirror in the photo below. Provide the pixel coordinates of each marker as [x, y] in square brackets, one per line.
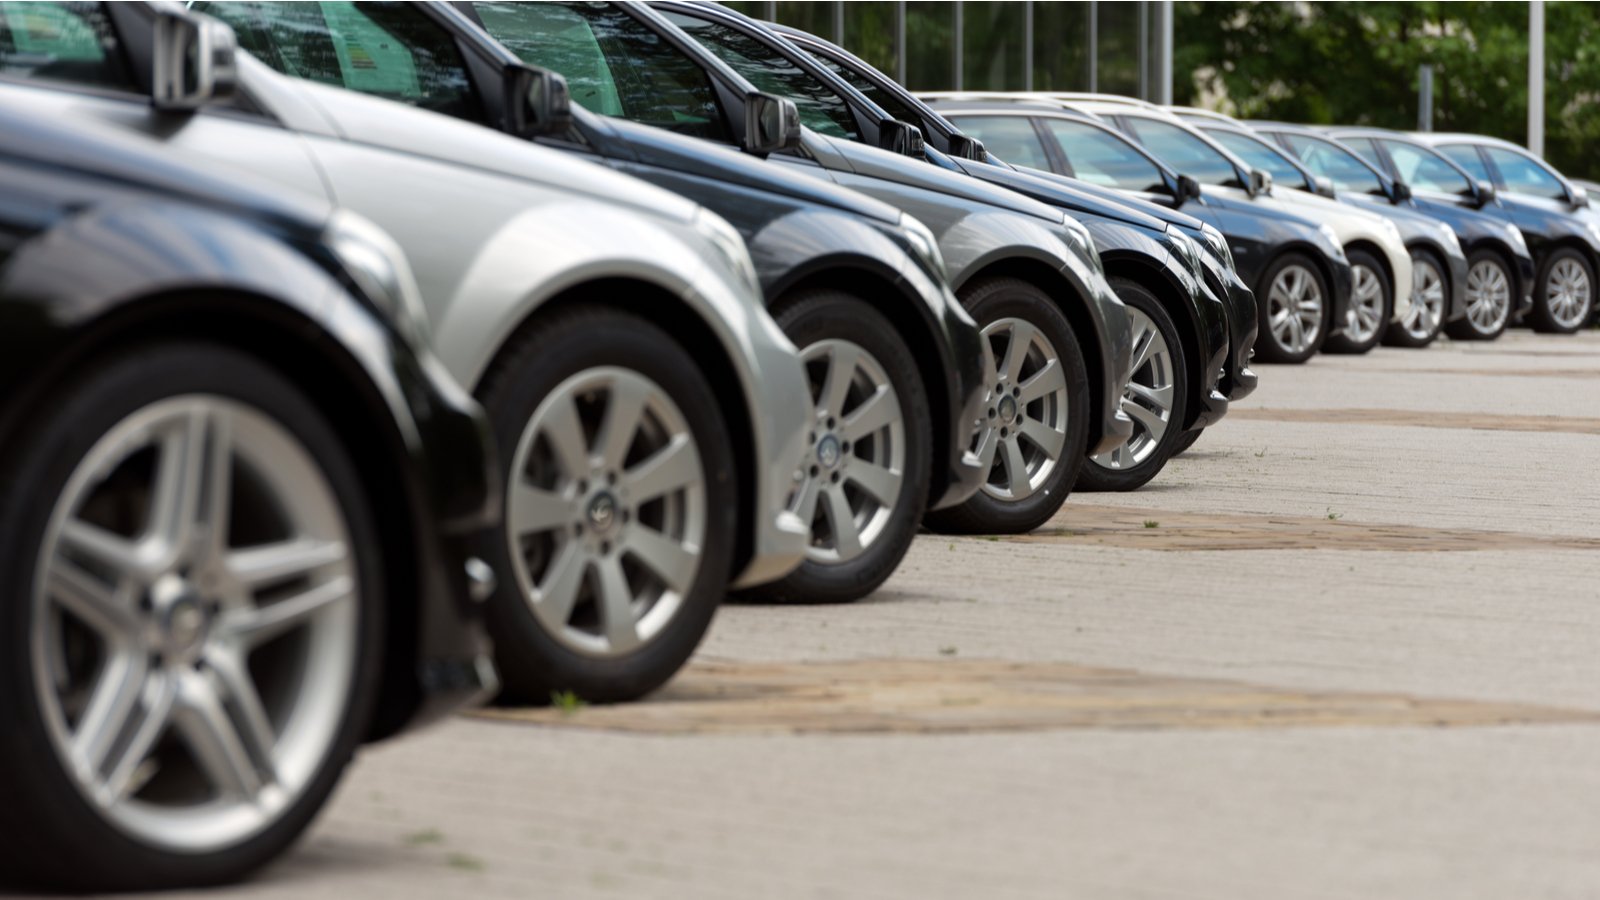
[1580, 196]
[1401, 192]
[965, 147]
[1260, 183]
[900, 137]
[1188, 189]
[1324, 186]
[537, 102]
[192, 61]
[1483, 193]
[771, 124]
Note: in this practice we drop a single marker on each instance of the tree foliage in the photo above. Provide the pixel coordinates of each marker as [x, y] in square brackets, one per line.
[1356, 63]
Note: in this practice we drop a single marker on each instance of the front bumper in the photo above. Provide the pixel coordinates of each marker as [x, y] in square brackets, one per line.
[1458, 288]
[1238, 379]
[1343, 284]
[1214, 342]
[1116, 355]
[969, 366]
[1528, 272]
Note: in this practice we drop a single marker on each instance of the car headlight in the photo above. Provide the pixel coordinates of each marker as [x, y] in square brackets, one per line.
[1218, 245]
[379, 268]
[1079, 239]
[925, 245]
[1331, 238]
[735, 256]
[1187, 250]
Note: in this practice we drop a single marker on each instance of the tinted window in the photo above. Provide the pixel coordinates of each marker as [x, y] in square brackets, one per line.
[1346, 169]
[1102, 158]
[1466, 156]
[1258, 155]
[1421, 169]
[613, 64]
[389, 50]
[1183, 152]
[71, 42]
[821, 109]
[1525, 176]
[891, 103]
[1011, 138]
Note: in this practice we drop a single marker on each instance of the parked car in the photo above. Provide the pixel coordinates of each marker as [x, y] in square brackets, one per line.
[1180, 329]
[1061, 349]
[1296, 268]
[235, 508]
[646, 407]
[1495, 251]
[1430, 245]
[895, 402]
[1561, 228]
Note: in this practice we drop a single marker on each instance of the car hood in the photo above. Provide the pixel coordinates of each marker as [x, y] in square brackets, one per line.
[876, 163]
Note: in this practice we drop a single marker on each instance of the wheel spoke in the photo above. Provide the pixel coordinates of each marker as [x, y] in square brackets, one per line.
[156, 701]
[253, 627]
[105, 549]
[674, 563]
[623, 410]
[1017, 350]
[616, 605]
[876, 412]
[846, 536]
[672, 468]
[268, 564]
[1151, 421]
[99, 606]
[1016, 468]
[988, 444]
[239, 690]
[882, 484]
[842, 362]
[116, 696]
[1046, 381]
[564, 431]
[558, 593]
[190, 493]
[532, 510]
[215, 743]
[1047, 439]
[1144, 345]
[806, 503]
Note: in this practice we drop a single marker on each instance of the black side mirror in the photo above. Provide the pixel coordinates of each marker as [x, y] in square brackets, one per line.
[1401, 192]
[537, 102]
[1482, 194]
[900, 137]
[964, 147]
[771, 124]
[1260, 183]
[192, 61]
[1188, 189]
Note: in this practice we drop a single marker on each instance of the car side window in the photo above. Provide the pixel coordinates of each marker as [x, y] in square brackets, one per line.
[1366, 148]
[1466, 156]
[67, 42]
[1184, 152]
[821, 108]
[1011, 138]
[389, 50]
[1525, 176]
[1343, 167]
[1104, 159]
[891, 104]
[1259, 156]
[614, 65]
[1421, 169]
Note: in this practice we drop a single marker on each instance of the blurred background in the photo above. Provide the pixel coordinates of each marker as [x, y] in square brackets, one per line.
[1310, 62]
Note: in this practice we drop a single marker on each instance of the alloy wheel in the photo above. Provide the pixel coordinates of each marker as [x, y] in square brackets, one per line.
[1148, 397]
[1427, 300]
[854, 471]
[196, 623]
[606, 511]
[1568, 292]
[1294, 309]
[1365, 315]
[1026, 426]
[1488, 296]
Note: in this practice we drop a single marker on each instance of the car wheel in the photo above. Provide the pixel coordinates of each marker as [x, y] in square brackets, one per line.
[1293, 306]
[1036, 432]
[191, 629]
[1371, 305]
[1155, 398]
[1489, 299]
[1564, 299]
[1187, 441]
[864, 482]
[1430, 292]
[620, 507]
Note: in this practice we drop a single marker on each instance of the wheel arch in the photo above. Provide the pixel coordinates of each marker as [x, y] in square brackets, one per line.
[1172, 299]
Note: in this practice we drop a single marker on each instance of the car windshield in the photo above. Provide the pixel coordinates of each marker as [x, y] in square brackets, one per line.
[1102, 158]
[1420, 168]
[1184, 152]
[1012, 138]
[891, 103]
[613, 63]
[1261, 156]
[1525, 175]
[1466, 156]
[1346, 169]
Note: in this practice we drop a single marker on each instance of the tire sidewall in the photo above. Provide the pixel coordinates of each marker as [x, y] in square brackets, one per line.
[1541, 319]
[1342, 342]
[1267, 346]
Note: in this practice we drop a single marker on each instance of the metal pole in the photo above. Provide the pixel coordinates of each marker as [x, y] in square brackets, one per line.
[1144, 51]
[960, 35]
[769, 10]
[838, 22]
[1536, 77]
[1094, 45]
[900, 41]
[1424, 97]
[1027, 45]
[1164, 89]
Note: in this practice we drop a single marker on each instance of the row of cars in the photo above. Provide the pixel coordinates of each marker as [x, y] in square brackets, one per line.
[337, 331]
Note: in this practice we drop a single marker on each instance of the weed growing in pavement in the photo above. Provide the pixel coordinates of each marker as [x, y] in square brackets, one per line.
[991, 537]
[566, 701]
[1151, 523]
[947, 651]
[464, 862]
[1333, 516]
[1260, 453]
[425, 837]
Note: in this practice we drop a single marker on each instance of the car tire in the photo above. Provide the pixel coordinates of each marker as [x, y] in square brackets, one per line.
[1057, 419]
[1371, 305]
[1489, 299]
[1187, 441]
[1564, 296]
[71, 516]
[843, 467]
[1430, 301]
[616, 548]
[1290, 281]
[1157, 398]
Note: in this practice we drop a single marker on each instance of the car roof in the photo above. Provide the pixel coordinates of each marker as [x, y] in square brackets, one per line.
[1437, 138]
[1209, 115]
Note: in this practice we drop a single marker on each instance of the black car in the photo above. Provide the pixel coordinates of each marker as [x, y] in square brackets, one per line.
[1180, 327]
[1556, 227]
[235, 502]
[1068, 329]
[1495, 250]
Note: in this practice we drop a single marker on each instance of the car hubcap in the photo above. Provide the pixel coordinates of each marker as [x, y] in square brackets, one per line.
[1148, 397]
[1294, 309]
[1568, 293]
[851, 478]
[195, 628]
[1488, 296]
[1427, 300]
[1366, 306]
[1025, 430]
[606, 511]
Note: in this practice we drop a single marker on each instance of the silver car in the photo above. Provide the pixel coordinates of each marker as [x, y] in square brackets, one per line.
[648, 410]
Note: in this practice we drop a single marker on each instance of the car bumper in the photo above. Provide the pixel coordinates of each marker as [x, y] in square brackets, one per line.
[1527, 273]
[1343, 284]
[1458, 288]
[1116, 355]
[1238, 379]
[968, 367]
[1214, 343]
